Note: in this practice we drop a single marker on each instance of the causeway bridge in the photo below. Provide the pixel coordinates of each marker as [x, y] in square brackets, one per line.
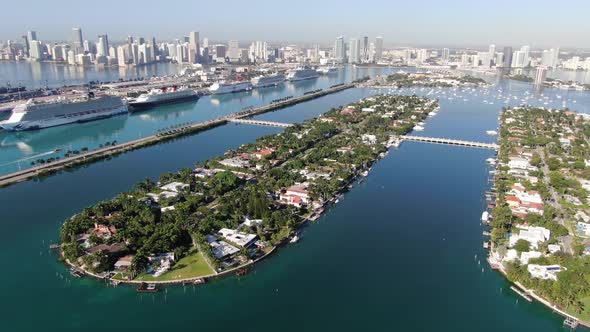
[449, 141]
[261, 123]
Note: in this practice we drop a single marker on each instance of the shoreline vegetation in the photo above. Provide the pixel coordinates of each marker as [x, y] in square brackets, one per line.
[438, 78]
[236, 209]
[540, 224]
[76, 160]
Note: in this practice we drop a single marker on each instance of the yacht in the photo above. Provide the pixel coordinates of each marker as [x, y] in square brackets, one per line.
[302, 73]
[162, 96]
[418, 128]
[269, 80]
[491, 132]
[221, 88]
[37, 115]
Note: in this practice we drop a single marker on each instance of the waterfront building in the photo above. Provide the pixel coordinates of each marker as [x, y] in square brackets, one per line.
[102, 47]
[378, 49]
[355, 51]
[77, 40]
[36, 50]
[340, 50]
[499, 59]
[194, 47]
[507, 63]
[540, 75]
[234, 51]
[421, 56]
[364, 49]
[31, 35]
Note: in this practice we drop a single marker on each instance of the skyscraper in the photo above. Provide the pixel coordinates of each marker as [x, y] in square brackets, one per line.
[378, 49]
[507, 57]
[233, 51]
[445, 55]
[31, 35]
[492, 51]
[540, 75]
[340, 50]
[355, 51]
[77, 40]
[194, 46]
[102, 47]
[365, 49]
[525, 55]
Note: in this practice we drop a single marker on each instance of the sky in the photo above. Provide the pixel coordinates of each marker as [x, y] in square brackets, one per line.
[474, 23]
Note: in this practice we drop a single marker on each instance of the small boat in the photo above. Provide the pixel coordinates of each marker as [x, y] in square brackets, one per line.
[491, 132]
[147, 288]
[294, 239]
[199, 281]
[485, 216]
[241, 272]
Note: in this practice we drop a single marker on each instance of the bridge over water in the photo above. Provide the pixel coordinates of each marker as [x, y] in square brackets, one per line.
[261, 123]
[449, 141]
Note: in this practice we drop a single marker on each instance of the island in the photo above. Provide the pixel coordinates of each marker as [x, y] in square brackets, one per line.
[233, 210]
[430, 79]
[540, 211]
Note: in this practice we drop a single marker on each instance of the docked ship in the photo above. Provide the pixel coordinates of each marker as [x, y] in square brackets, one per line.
[163, 96]
[37, 115]
[221, 88]
[302, 73]
[269, 80]
[327, 70]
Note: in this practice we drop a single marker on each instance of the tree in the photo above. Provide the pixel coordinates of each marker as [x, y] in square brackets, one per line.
[522, 245]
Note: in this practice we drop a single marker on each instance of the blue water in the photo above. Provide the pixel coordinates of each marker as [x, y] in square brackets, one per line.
[402, 251]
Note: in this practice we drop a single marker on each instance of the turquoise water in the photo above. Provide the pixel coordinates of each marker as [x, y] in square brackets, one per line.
[399, 252]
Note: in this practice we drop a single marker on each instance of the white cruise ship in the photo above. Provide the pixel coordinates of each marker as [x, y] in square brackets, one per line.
[221, 88]
[269, 80]
[327, 70]
[302, 73]
[34, 115]
[165, 95]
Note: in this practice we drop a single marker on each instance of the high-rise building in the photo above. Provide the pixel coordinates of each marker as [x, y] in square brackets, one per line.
[220, 51]
[102, 47]
[378, 49]
[234, 51]
[340, 50]
[36, 50]
[365, 49]
[492, 51]
[194, 46]
[507, 63]
[205, 42]
[555, 61]
[77, 40]
[540, 75]
[26, 46]
[526, 55]
[464, 60]
[445, 55]
[421, 56]
[355, 51]
[31, 35]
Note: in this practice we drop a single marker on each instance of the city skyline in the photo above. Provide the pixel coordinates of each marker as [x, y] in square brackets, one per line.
[453, 24]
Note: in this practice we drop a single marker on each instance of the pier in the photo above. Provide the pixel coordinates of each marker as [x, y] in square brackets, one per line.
[261, 123]
[450, 141]
[98, 154]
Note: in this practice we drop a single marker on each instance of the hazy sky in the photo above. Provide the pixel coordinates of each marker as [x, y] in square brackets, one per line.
[539, 23]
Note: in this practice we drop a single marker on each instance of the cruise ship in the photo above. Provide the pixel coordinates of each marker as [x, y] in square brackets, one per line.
[221, 88]
[37, 115]
[327, 70]
[302, 73]
[162, 96]
[270, 80]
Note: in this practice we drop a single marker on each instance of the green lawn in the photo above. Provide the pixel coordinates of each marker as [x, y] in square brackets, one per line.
[585, 315]
[191, 266]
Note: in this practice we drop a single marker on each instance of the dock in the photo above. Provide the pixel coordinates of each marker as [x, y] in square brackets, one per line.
[521, 293]
[102, 153]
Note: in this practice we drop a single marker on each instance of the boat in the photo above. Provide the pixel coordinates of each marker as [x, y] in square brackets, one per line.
[485, 216]
[491, 132]
[163, 96]
[38, 115]
[269, 80]
[418, 128]
[241, 272]
[199, 281]
[327, 70]
[147, 288]
[221, 87]
[294, 239]
[302, 73]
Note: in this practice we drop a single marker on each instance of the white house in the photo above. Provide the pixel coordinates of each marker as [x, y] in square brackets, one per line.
[534, 235]
[545, 272]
